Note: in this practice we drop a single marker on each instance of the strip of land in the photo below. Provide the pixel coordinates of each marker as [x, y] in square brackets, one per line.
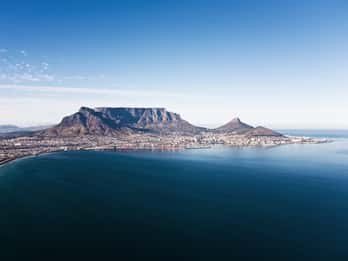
[137, 129]
[19, 147]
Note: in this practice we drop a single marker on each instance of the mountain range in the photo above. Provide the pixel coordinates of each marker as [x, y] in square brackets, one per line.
[106, 121]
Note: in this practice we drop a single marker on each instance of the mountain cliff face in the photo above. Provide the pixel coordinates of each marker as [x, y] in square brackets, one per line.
[106, 121]
[234, 126]
[116, 121]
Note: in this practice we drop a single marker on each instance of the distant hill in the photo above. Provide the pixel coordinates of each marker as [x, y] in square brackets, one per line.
[8, 128]
[14, 128]
[262, 131]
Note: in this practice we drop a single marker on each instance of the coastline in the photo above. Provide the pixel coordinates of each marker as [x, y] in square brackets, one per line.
[6, 161]
[11, 160]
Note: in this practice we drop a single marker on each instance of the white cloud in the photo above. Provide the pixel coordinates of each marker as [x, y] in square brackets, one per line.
[44, 66]
[47, 77]
[83, 77]
[75, 77]
[17, 70]
[80, 90]
[23, 52]
[26, 77]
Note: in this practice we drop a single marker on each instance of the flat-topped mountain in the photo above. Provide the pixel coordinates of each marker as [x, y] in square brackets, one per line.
[136, 128]
[121, 120]
[105, 121]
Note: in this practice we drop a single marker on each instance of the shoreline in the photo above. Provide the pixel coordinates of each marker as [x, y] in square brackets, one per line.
[13, 159]
[10, 160]
[4, 161]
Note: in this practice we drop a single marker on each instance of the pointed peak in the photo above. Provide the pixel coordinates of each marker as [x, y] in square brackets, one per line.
[234, 125]
[236, 120]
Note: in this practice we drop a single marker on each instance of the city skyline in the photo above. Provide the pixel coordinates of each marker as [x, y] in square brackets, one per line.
[276, 64]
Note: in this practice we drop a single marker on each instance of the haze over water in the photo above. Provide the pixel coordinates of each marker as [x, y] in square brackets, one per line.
[287, 202]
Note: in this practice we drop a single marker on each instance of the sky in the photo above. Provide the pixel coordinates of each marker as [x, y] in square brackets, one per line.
[280, 64]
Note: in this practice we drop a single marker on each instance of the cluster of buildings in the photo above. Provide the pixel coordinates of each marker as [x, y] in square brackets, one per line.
[12, 148]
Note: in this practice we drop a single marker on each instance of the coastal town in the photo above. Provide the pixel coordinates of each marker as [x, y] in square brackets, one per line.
[18, 147]
[127, 128]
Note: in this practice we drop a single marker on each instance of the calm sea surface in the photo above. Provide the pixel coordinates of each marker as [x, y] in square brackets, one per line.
[288, 202]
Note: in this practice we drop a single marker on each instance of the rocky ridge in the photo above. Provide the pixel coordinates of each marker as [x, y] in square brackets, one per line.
[137, 129]
[105, 121]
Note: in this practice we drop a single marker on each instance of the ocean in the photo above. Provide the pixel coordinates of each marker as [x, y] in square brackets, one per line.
[283, 203]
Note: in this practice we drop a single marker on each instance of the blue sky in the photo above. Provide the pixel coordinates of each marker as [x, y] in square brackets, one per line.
[276, 63]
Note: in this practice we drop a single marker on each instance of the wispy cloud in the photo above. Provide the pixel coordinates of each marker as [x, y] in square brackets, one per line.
[83, 77]
[44, 66]
[80, 90]
[16, 70]
[75, 77]
[26, 77]
[23, 52]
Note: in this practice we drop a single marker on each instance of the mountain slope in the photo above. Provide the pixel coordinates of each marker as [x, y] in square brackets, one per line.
[262, 131]
[149, 119]
[234, 126]
[116, 121]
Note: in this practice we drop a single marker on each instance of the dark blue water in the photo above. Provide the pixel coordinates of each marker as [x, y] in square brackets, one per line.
[284, 203]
